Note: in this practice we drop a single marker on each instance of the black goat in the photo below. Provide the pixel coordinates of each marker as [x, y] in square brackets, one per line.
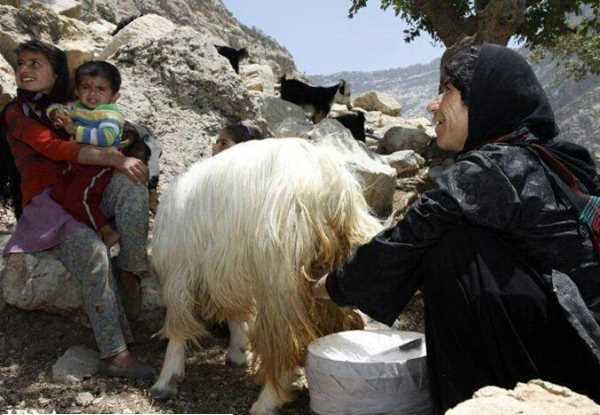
[315, 99]
[355, 122]
[234, 56]
[124, 22]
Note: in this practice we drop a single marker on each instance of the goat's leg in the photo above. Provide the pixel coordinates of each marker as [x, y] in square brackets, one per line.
[172, 372]
[269, 400]
[237, 352]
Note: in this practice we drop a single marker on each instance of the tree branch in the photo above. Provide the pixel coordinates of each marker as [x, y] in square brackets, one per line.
[449, 24]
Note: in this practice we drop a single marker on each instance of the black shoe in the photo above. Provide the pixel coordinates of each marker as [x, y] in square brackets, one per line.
[135, 372]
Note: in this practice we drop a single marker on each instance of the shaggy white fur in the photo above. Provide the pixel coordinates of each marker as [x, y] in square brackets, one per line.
[240, 236]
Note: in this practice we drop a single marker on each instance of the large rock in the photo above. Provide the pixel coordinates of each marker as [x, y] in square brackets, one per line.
[404, 161]
[533, 398]
[285, 119]
[69, 8]
[39, 281]
[377, 177]
[378, 101]
[406, 136]
[79, 41]
[258, 78]
[146, 28]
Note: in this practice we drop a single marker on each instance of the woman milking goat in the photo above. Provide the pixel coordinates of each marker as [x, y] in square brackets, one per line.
[505, 248]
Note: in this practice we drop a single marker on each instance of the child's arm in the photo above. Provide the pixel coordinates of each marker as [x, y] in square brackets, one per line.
[104, 129]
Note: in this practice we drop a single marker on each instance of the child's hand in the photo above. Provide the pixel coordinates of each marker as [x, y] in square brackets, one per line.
[63, 121]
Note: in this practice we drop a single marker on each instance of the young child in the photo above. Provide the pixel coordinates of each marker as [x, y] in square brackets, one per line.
[235, 134]
[94, 119]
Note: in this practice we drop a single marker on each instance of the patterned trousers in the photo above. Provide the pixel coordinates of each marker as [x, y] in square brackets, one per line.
[86, 257]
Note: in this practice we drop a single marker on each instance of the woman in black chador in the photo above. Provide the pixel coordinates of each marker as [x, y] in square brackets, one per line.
[510, 274]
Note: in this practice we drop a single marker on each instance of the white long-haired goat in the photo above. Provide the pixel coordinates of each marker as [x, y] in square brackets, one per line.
[238, 237]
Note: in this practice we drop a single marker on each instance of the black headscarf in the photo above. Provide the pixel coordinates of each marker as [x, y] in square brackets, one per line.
[505, 97]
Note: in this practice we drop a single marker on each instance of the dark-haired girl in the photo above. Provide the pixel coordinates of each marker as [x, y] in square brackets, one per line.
[40, 154]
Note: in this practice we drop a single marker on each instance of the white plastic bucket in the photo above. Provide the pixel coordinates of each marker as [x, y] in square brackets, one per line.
[368, 372]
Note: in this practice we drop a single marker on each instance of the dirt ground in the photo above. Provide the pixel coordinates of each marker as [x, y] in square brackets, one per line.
[31, 342]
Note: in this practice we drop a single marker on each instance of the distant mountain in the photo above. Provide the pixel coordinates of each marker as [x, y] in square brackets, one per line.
[576, 104]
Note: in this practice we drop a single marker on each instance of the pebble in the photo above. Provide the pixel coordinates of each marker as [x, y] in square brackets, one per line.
[84, 398]
[44, 401]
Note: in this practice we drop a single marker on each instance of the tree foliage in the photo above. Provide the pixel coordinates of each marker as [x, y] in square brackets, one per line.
[541, 25]
[576, 52]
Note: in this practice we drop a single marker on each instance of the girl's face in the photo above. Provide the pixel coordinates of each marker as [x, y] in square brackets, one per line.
[34, 72]
[223, 143]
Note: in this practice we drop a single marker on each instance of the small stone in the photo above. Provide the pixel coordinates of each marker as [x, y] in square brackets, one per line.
[76, 364]
[84, 398]
[44, 401]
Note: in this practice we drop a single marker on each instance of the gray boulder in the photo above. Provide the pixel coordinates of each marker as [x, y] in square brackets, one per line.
[75, 365]
[404, 161]
[405, 137]
[39, 281]
[147, 27]
[376, 176]
[284, 118]
[378, 101]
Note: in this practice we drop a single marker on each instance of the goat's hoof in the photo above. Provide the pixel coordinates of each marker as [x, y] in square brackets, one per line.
[259, 408]
[163, 394]
[237, 359]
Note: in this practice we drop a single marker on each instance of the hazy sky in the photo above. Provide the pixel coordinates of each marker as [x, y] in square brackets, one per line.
[323, 40]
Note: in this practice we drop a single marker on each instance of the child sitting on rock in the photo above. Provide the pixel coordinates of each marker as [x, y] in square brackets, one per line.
[94, 119]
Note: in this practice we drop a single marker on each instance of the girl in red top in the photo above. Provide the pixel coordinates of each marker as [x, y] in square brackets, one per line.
[40, 155]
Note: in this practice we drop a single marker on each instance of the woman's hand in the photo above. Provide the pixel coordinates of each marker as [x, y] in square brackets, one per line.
[319, 290]
[133, 168]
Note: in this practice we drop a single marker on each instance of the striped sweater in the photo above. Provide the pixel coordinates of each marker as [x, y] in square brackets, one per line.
[101, 126]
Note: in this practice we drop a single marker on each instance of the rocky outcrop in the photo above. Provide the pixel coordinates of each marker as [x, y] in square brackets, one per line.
[210, 16]
[184, 91]
[533, 398]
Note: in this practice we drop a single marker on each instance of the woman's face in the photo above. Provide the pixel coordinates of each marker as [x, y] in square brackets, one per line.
[34, 72]
[223, 143]
[451, 119]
